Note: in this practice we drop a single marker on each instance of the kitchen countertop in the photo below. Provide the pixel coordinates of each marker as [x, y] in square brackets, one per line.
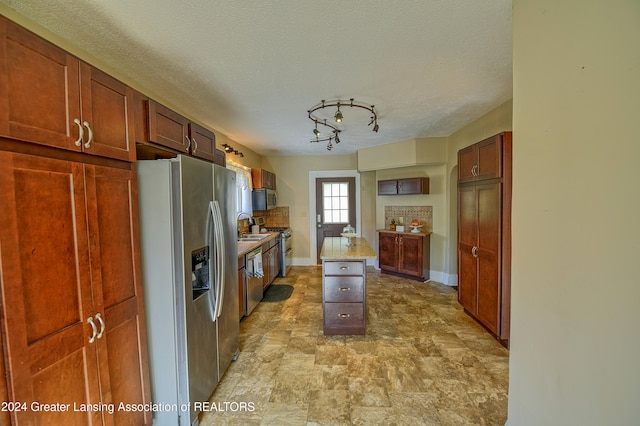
[245, 247]
[335, 248]
[404, 232]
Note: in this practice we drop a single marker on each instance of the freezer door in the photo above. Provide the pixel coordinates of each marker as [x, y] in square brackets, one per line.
[228, 324]
[193, 191]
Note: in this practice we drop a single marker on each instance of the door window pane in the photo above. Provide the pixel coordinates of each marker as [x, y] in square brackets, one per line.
[335, 196]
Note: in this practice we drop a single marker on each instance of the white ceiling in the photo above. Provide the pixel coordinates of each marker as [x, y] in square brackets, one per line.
[251, 69]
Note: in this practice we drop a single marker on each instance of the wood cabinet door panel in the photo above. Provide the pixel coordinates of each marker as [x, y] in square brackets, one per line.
[466, 163]
[167, 127]
[46, 285]
[489, 158]
[387, 187]
[488, 213]
[467, 215]
[115, 256]
[410, 257]
[413, 186]
[388, 251]
[107, 107]
[40, 89]
[111, 206]
[467, 278]
[122, 344]
[203, 142]
[488, 306]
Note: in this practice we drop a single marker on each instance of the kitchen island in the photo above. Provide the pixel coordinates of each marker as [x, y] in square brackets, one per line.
[344, 284]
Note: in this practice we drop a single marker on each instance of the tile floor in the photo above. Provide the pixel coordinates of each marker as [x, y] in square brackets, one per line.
[423, 361]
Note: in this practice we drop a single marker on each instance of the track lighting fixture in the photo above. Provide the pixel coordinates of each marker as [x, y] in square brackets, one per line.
[338, 117]
[231, 150]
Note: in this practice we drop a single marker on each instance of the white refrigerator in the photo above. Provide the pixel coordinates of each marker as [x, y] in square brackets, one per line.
[188, 246]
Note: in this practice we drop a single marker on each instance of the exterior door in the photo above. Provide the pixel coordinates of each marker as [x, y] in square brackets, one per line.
[335, 207]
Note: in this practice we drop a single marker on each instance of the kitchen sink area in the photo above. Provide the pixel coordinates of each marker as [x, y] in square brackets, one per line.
[252, 237]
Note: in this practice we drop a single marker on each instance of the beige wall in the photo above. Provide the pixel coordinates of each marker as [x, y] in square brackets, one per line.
[292, 183]
[575, 325]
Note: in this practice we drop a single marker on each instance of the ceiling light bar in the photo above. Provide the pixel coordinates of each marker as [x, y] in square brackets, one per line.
[338, 117]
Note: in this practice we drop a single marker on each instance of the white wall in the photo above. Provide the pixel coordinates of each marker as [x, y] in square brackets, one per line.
[575, 326]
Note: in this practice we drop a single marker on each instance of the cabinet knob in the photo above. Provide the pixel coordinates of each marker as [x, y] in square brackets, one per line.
[345, 289]
[344, 268]
[195, 145]
[188, 143]
[474, 251]
[344, 315]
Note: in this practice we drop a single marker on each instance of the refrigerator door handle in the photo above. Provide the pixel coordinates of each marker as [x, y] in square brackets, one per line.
[211, 241]
[219, 237]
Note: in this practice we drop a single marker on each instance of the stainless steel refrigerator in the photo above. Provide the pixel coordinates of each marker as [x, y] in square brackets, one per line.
[188, 246]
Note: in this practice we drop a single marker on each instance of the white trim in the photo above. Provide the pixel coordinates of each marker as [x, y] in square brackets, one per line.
[313, 175]
[443, 278]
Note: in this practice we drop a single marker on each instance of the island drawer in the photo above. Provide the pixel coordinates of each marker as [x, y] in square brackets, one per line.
[344, 289]
[344, 318]
[343, 268]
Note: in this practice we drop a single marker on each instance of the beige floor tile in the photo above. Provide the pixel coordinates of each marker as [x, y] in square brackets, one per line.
[422, 361]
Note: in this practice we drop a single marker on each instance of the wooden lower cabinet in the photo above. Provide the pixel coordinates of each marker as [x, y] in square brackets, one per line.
[242, 287]
[270, 262]
[343, 297]
[72, 307]
[404, 254]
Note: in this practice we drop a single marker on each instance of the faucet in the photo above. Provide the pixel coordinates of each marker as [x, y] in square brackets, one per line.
[238, 218]
[240, 214]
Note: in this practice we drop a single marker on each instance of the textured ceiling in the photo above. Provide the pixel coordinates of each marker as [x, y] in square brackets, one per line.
[252, 69]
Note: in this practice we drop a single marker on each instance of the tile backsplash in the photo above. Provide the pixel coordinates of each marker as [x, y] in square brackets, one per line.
[424, 215]
[275, 218]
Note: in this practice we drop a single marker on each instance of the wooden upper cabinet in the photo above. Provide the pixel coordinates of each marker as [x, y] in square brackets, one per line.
[180, 135]
[203, 142]
[413, 186]
[405, 186]
[168, 128]
[388, 187]
[261, 178]
[482, 160]
[52, 98]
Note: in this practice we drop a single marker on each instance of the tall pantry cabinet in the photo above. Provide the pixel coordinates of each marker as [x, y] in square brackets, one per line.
[484, 232]
[72, 318]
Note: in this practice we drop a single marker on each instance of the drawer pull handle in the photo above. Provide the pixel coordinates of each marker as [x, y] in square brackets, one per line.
[344, 268]
[344, 315]
[345, 288]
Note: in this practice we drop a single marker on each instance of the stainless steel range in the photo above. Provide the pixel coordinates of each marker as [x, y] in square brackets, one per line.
[285, 249]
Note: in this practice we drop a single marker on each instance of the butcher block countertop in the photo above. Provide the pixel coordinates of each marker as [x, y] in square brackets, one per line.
[336, 248]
